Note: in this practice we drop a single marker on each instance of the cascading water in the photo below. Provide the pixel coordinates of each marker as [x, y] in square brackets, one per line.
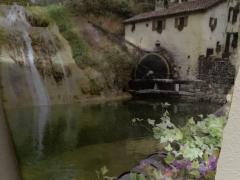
[16, 21]
[41, 116]
[40, 90]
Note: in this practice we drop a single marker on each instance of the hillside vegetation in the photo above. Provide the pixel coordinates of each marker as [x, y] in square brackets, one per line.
[105, 62]
[22, 2]
[122, 8]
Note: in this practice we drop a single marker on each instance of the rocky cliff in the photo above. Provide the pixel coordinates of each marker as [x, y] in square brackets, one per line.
[42, 63]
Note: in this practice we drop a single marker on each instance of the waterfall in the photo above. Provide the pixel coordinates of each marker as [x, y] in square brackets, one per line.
[41, 115]
[39, 87]
[16, 20]
[17, 23]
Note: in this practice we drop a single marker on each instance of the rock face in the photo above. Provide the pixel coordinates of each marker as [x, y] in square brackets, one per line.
[37, 67]
[58, 71]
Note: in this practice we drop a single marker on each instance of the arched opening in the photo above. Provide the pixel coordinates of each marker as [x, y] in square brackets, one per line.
[153, 66]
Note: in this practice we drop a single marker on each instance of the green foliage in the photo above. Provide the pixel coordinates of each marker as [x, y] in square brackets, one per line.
[59, 15]
[95, 88]
[39, 16]
[153, 174]
[101, 7]
[134, 176]
[62, 17]
[112, 62]
[102, 174]
[195, 140]
[123, 8]
[193, 149]
[121, 65]
[4, 36]
[78, 46]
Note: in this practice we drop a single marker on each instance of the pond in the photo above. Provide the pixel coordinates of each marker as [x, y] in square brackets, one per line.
[71, 142]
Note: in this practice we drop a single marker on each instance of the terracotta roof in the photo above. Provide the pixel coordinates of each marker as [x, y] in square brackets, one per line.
[175, 9]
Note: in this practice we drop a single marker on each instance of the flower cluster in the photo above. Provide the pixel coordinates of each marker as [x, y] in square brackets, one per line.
[192, 150]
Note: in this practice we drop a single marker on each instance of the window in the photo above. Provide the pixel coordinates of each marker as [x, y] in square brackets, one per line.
[235, 40]
[181, 22]
[212, 23]
[159, 25]
[133, 27]
[218, 47]
[227, 44]
[235, 14]
[157, 44]
[231, 42]
[230, 12]
[209, 52]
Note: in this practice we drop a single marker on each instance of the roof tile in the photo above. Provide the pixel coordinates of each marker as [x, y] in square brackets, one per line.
[175, 9]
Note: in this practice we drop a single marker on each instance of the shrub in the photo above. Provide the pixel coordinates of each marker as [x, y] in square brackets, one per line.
[121, 64]
[39, 16]
[79, 47]
[192, 150]
[123, 8]
[61, 16]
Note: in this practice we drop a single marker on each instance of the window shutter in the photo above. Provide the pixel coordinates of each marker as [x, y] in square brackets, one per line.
[133, 27]
[229, 14]
[160, 26]
[210, 21]
[235, 40]
[154, 25]
[185, 21]
[163, 23]
[176, 22]
[235, 14]
[215, 22]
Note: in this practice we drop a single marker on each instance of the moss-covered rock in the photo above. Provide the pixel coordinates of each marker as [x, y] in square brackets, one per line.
[4, 36]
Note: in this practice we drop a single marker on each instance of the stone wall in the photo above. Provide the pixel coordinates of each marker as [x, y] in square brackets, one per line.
[228, 166]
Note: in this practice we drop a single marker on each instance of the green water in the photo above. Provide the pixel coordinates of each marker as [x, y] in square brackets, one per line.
[72, 142]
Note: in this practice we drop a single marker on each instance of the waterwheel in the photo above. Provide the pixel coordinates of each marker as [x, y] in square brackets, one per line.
[153, 66]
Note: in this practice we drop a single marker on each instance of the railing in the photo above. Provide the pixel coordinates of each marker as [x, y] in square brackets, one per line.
[170, 81]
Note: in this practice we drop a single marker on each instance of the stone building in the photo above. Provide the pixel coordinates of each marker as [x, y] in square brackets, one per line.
[187, 30]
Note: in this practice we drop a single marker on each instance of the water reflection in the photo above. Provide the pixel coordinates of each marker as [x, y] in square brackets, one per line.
[41, 116]
[71, 142]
